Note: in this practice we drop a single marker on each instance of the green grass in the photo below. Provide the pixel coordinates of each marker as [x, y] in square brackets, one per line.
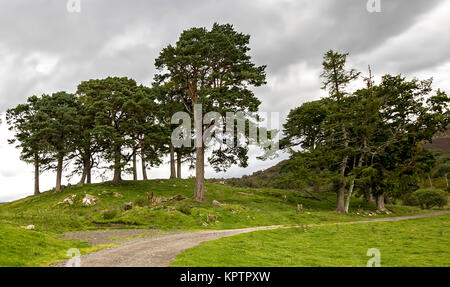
[418, 242]
[245, 207]
[27, 248]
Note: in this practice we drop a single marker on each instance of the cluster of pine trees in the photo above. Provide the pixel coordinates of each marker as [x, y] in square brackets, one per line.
[111, 120]
[114, 120]
[370, 139]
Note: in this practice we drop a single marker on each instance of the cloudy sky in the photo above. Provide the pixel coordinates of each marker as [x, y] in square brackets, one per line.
[46, 48]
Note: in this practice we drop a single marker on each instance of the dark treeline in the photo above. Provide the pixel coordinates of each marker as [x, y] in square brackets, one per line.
[369, 140]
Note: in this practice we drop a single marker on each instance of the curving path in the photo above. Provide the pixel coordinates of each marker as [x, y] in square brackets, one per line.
[161, 250]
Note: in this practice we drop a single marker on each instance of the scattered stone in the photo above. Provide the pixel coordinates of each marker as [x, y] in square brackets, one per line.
[205, 224]
[299, 208]
[128, 206]
[105, 192]
[118, 195]
[244, 193]
[250, 217]
[69, 200]
[170, 209]
[30, 227]
[215, 203]
[211, 218]
[89, 200]
[157, 200]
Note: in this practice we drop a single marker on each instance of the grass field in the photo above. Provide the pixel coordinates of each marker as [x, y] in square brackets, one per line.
[20, 247]
[417, 242]
[242, 207]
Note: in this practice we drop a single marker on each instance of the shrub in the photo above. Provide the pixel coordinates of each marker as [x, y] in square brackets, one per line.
[109, 214]
[141, 202]
[431, 197]
[410, 199]
[185, 209]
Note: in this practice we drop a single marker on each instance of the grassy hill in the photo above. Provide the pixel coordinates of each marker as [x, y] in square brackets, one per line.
[240, 207]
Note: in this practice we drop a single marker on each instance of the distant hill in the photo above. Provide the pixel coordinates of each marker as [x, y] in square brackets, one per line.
[261, 178]
[441, 142]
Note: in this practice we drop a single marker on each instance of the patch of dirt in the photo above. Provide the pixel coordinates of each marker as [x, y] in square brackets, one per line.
[110, 236]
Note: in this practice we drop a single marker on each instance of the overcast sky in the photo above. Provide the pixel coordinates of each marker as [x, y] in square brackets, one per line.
[44, 48]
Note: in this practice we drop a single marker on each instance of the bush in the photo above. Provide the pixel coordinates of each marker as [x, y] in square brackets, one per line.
[410, 199]
[431, 197]
[141, 202]
[109, 214]
[185, 209]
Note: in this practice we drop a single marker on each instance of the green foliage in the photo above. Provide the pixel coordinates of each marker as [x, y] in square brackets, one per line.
[431, 197]
[110, 214]
[410, 199]
[141, 201]
[214, 69]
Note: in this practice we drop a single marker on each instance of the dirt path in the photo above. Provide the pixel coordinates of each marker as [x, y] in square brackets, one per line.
[161, 250]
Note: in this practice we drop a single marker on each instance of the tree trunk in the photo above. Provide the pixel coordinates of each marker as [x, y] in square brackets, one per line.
[341, 198]
[200, 175]
[368, 196]
[86, 169]
[89, 173]
[172, 162]
[352, 186]
[117, 166]
[36, 176]
[380, 204]
[134, 166]
[349, 195]
[178, 164]
[429, 179]
[83, 176]
[341, 192]
[446, 179]
[199, 193]
[59, 169]
[144, 168]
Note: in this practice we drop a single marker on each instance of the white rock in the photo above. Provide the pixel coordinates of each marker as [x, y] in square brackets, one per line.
[89, 200]
[215, 203]
[30, 227]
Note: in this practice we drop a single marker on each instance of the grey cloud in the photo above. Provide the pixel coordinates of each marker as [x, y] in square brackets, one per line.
[44, 49]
